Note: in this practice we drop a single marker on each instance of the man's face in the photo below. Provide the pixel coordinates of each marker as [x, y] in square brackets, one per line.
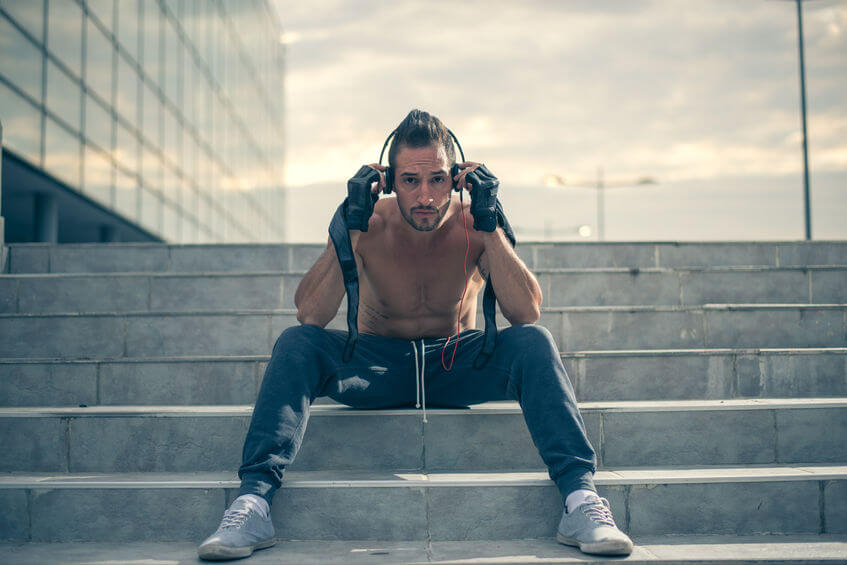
[423, 184]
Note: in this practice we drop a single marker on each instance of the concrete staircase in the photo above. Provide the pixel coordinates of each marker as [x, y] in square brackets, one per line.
[712, 378]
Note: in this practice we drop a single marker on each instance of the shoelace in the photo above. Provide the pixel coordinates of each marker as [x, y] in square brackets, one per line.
[597, 511]
[234, 518]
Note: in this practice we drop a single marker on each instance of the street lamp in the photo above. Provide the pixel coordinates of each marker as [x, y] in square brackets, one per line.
[802, 57]
[600, 185]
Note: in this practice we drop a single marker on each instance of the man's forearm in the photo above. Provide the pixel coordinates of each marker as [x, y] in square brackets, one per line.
[517, 289]
[320, 292]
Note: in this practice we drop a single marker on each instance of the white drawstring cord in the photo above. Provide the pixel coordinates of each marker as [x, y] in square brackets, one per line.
[423, 379]
[417, 378]
[420, 378]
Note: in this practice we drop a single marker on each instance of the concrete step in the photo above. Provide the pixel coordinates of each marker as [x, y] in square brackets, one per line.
[487, 437]
[595, 287]
[810, 549]
[675, 374]
[251, 332]
[808, 499]
[144, 257]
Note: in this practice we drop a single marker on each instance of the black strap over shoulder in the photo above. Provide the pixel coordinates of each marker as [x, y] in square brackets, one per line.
[489, 298]
[340, 236]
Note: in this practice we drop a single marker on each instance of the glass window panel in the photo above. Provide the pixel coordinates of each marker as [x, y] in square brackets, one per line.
[21, 60]
[61, 153]
[170, 75]
[151, 122]
[64, 33]
[28, 14]
[151, 211]
[126, 195]
[171, 186]
[98, 124]
[128, 26]
[64, 96]
[171, 147]
[126, 99]
[98, 66]
[189, 198]
[170, 223]
[21, 125]
[126, 148]
[104, 10]
[97, 176]
[151, 171]
[151, 24]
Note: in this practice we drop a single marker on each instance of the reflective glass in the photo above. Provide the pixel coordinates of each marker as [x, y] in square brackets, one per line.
[150, 38]
[126, 99]
[21, 62]
[98, 64]
[64, 96]
[98, 125]
[152, 113]
[104, 10]
[61, 153]
[171, 186]
[97, 176]
[128, 26]
[151, 211]
[21, 125]
[126, 195]
[170, 223]
[28, 14]
[189, 198]
[126, 148]
[171, 147]
[64, 33]
[151, 170]
[170, 76]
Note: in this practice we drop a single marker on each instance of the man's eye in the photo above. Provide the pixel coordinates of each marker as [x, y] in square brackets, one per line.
[437, 179]
[410, 180]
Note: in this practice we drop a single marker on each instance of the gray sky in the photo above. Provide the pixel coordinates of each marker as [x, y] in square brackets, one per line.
[703, 96]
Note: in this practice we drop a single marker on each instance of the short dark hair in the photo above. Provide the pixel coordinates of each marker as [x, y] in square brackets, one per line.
[421, 129]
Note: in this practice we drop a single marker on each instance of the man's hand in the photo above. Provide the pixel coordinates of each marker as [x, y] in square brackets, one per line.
[483, 189]
[362, 194]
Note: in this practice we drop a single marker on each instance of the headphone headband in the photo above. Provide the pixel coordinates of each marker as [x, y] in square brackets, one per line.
[393, 133]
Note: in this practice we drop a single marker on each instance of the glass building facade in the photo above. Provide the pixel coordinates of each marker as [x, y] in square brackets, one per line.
[167, 112]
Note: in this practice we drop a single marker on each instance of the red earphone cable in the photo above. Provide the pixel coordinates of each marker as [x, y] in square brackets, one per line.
[462, 300]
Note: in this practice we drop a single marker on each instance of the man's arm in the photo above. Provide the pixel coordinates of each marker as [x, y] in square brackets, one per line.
[320, 292]
[517, 289]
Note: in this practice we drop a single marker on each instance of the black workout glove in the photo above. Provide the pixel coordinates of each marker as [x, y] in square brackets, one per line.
[360, 198]
[483, 198]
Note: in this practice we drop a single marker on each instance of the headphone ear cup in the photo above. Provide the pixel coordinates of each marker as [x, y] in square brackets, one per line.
[389, 180]
[454, 170]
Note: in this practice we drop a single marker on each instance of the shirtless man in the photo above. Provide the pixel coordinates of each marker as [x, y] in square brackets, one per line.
[410, 300]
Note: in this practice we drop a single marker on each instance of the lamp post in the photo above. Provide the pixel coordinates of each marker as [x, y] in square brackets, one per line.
[600, 185]
[802, 56]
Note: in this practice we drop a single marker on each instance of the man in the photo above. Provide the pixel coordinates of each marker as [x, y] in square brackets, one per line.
[411, 287]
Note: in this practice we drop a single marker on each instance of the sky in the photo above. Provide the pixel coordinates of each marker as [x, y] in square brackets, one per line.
[703, 97]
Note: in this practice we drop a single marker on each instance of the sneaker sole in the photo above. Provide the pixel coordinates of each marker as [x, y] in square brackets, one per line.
[222, 552]
[608, 547]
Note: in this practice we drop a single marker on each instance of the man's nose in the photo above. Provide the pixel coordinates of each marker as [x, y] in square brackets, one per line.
[426, 194]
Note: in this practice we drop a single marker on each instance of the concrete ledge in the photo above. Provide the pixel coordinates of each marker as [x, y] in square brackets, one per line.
[396, 506]
[730, 550]
[609, 375]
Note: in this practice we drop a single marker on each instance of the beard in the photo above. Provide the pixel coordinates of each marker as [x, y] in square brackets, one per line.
[432, 222]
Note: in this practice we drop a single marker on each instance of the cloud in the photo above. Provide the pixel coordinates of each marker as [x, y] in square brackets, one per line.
[674, 90]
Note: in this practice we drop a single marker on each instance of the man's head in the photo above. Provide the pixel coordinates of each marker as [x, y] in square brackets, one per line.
[421, 157]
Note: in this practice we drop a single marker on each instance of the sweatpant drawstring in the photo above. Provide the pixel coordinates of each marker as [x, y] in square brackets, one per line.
[420, 379]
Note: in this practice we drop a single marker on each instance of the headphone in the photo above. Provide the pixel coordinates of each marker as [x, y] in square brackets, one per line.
[389, 172]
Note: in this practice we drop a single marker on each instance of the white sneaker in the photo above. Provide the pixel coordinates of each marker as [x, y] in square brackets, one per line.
[590, 527]
[242, 530]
